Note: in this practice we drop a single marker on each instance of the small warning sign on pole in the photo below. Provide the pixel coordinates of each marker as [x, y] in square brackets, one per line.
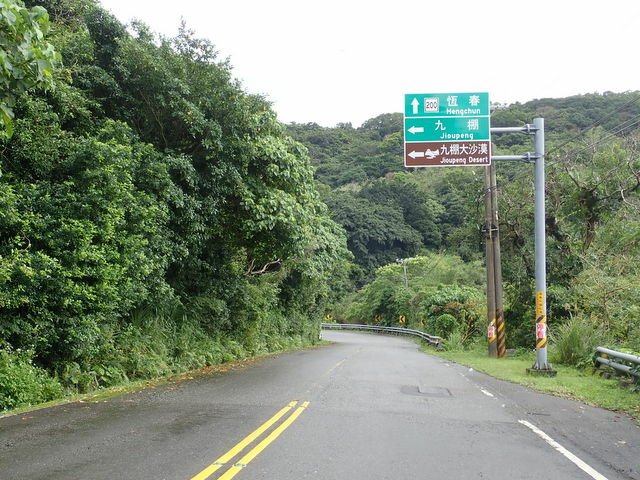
[541, 330]
[491, 331]
[539, 305]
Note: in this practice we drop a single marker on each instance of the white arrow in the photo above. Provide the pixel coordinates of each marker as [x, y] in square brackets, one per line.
[415, 155]
[415, 104]
[415, 130]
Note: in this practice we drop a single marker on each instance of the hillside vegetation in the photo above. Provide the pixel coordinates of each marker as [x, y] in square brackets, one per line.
[155, 217]
[433, 218]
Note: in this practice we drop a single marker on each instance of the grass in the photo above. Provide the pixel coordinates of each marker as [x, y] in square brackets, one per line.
[570, 382]
[125, 388]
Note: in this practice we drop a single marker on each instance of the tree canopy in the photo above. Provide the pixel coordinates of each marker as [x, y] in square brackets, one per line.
[155, 216]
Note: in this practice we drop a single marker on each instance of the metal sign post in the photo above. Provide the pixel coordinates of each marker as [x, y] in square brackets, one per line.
[541, 365]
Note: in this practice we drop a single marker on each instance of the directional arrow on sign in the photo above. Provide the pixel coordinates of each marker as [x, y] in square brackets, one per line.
[415, 129]
[415, 104]
[415, 154]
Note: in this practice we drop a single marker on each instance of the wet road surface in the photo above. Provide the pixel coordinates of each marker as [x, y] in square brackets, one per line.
[366, 407]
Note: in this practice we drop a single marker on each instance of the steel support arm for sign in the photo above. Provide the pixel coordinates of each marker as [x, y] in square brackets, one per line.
[527, 157]
[528, 128]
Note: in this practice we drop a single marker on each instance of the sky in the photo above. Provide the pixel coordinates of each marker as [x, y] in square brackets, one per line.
[339, 61]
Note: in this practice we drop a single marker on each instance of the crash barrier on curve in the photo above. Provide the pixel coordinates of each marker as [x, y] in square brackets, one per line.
[622, 363]
[432, 339]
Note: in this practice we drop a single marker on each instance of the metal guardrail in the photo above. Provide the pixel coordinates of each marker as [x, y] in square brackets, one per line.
[432, 339]
[621, 362]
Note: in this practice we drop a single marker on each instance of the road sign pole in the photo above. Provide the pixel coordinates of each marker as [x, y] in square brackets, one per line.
[541, 364]
[454, 129]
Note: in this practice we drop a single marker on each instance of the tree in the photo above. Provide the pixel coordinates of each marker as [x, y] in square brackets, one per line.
[152, 211]
[27, 60]
[376, 233]
[436, 284]
[419, 210]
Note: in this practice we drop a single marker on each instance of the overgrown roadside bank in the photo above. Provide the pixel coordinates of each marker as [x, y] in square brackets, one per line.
[64, 396]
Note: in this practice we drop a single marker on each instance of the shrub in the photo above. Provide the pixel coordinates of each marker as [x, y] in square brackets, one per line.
[443, 325]
[455, 341]
[22, 383]
[575, 341]
[447, 302]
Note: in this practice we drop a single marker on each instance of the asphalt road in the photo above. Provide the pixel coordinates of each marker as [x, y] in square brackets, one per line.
[366, 407]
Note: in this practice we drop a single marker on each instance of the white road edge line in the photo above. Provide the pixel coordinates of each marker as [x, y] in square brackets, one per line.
[579, 463]
[486, 392]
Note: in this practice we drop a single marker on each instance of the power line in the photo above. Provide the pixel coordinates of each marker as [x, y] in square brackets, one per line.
[617, 130]
[628, 124]
[595, 124]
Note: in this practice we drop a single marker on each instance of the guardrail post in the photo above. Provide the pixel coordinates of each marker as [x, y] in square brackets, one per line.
[622, 363]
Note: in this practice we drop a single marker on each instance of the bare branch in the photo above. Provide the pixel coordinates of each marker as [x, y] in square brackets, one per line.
[267, 268]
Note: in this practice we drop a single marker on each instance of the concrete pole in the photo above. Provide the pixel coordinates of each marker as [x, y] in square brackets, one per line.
[404, 267]
[497, 267]
[491, 287]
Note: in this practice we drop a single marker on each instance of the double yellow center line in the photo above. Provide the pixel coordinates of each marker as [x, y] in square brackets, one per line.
[255, 451]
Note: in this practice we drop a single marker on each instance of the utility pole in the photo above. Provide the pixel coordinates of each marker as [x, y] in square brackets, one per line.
[403, 261]
[490, 261]
[497, 266]
[496, 335]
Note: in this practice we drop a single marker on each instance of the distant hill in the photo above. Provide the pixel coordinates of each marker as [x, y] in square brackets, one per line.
[344, 154]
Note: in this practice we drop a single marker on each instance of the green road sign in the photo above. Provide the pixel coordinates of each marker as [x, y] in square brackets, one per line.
[446, 104]
[447, 129]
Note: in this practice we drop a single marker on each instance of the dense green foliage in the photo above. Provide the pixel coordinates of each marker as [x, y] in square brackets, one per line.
[155, 217]
[22, 383]
[26, 58]
[418, 292]
[593, 206]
